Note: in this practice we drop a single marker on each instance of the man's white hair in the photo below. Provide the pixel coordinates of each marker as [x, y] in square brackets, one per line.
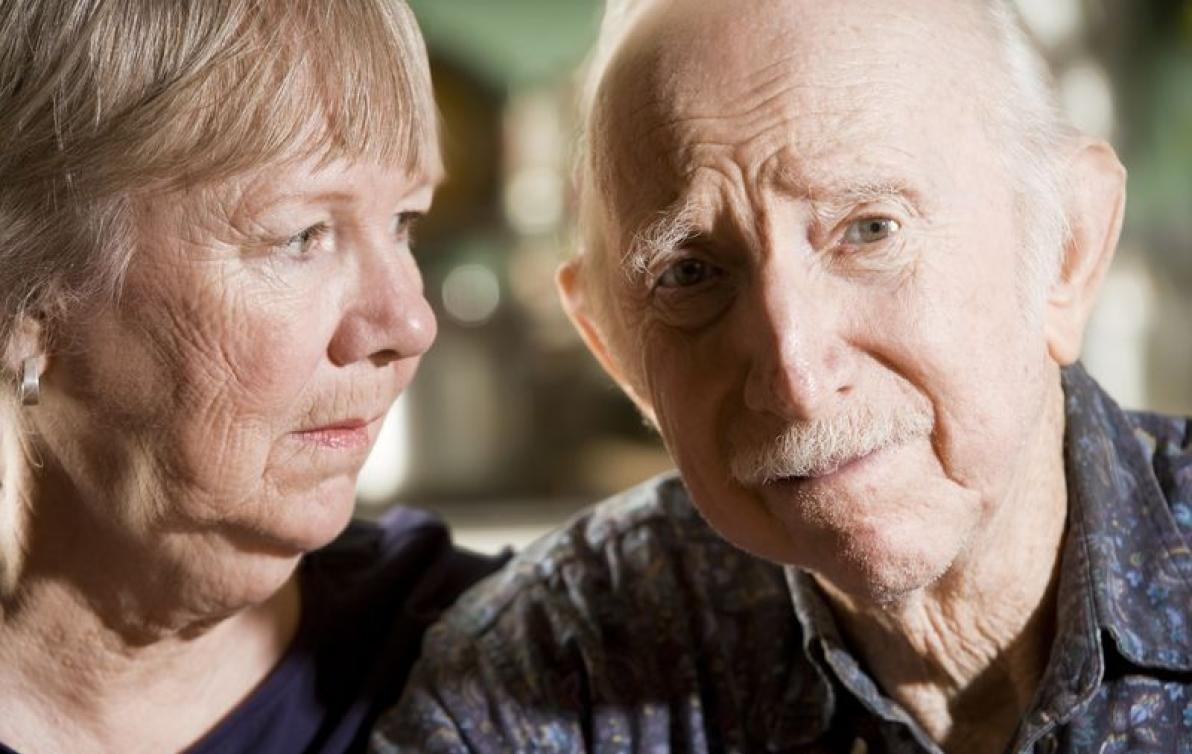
[1033, 130]
[1025, 116]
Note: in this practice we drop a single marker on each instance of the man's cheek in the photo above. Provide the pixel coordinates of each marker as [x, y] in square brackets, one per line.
[684, 412]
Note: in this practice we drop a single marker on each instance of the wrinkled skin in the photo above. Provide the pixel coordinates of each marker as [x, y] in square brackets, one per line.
[176, 415]
[785, 142]
[850, 248]
[194, 439]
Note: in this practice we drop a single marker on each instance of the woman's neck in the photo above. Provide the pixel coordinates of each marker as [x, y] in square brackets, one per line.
[114, 646]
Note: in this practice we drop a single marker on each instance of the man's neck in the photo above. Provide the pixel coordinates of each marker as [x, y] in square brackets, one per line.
[965, 655]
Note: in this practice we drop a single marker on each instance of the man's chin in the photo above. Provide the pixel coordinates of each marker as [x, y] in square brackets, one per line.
[882, 576]
[878, 559]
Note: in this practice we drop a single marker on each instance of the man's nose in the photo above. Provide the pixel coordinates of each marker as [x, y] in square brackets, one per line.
[387, 318]
[801, 368]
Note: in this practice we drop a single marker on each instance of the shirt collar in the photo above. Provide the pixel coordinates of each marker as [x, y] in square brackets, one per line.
[1125, 570]
[1139, 570]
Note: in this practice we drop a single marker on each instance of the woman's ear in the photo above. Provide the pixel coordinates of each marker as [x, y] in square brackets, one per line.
[1095, 203]
[573, 295]
[28, 340]
[25, 357]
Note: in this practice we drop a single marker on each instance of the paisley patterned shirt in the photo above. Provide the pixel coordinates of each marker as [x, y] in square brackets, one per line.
[635, 628]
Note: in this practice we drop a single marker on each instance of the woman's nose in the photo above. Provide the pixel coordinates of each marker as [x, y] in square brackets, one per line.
[387, 318]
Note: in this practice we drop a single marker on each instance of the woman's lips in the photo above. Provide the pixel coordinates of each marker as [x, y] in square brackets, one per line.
[350, 434]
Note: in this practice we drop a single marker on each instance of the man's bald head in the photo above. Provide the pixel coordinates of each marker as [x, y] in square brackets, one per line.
[824, 234]
[980, 50]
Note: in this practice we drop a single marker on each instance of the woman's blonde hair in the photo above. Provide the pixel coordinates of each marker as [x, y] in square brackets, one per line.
[106, 102]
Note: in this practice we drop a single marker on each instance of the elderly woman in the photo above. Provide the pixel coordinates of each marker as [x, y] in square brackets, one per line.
[207, 304]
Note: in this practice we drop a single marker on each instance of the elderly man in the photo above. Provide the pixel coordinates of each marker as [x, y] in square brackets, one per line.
[842, 255]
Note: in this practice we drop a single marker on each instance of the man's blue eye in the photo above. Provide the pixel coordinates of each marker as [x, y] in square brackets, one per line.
[871, 230]
[685, 273]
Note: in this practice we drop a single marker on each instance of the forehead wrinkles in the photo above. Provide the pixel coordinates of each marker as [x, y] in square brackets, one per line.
[728, 85]
[699, 167]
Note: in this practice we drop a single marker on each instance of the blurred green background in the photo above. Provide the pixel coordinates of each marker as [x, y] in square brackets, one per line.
[510, 425]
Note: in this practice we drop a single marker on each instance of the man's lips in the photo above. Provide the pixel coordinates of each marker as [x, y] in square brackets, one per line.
[829, 472]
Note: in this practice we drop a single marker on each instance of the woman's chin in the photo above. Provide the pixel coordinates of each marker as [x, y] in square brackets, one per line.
[309, 522]
[247, 564]
[287, 526]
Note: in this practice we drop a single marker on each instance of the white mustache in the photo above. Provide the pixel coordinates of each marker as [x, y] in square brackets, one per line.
[822, 446]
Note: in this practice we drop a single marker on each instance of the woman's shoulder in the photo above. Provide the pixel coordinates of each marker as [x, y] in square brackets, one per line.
[367, 597]
[404, 560]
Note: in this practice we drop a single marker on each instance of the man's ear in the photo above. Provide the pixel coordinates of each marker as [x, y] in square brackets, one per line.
[572, 293]
[1095, 203]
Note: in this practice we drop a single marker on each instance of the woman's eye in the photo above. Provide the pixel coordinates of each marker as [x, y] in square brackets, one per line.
[685, 273]
[300, 244]
[404, 224]
[871, 230]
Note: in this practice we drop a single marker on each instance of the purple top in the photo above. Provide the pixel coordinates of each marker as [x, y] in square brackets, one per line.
[366, 600]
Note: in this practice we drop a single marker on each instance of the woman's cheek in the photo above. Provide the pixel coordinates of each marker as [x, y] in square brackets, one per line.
[269, 345]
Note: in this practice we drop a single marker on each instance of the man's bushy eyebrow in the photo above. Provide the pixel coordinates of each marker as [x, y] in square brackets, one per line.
[860, 192]
[672, 227]
[666, 231]
[831, 196]
[843, 181]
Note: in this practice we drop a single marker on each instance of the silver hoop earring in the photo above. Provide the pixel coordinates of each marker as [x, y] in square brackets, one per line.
[30, 382]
